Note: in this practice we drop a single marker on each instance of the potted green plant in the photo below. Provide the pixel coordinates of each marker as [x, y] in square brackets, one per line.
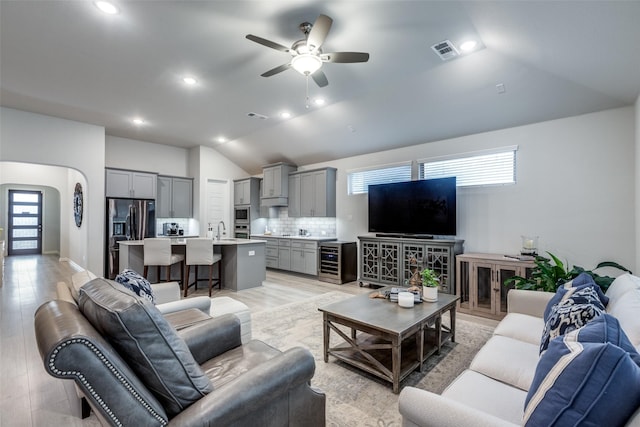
[548, 274]
[430, 283]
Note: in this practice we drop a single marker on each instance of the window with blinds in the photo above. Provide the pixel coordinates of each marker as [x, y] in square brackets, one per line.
[493, 167]
[359, 181]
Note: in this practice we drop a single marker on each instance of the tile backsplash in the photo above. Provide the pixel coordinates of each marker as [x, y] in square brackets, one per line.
[283, 224]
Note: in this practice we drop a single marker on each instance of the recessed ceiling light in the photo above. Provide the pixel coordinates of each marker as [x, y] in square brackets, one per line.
[285, 114]
[189, 81]
[106, 7]
[221, 139]
[138, 121]
[468, 46]
[319, 101]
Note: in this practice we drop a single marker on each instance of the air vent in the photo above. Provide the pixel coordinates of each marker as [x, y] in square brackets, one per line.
[257, 116]
[445, 50]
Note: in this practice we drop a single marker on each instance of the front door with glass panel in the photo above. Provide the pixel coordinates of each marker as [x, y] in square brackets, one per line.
[25, 222]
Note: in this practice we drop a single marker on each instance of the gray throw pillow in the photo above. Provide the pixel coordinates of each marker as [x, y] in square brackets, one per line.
[147, 342]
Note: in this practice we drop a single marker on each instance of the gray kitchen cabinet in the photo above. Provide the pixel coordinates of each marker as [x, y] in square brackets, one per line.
[304, 257]
[130, 184]
[284, 254]
[271, 252]
[246, 192]
[294, 196]
[313, 193]
[275, 184]
[175, 197]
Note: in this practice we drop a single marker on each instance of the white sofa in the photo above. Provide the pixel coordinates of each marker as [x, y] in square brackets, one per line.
[168, 300]
[492, 391]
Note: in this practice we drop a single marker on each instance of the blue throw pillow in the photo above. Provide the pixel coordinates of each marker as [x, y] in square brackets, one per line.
[136, 283]
[574, 311]
[582, 381]
[582, 281]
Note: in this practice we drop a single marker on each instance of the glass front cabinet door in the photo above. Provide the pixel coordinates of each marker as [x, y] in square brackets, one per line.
[481, 282]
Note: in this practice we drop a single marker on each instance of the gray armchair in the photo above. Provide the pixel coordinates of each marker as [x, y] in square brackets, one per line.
[252, 384]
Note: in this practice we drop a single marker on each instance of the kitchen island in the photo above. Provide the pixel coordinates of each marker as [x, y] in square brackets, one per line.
[243, 260]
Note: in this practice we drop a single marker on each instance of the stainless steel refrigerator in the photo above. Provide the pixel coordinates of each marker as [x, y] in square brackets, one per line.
[127, 219]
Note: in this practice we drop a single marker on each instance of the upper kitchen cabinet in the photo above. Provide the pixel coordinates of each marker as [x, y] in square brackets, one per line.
[313, 193]
[130, 184]
[246, 192]
[275, 184]
[175, 197]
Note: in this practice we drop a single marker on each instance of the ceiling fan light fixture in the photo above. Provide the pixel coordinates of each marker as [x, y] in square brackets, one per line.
[106, 7]
[468, 46]
[306, 64]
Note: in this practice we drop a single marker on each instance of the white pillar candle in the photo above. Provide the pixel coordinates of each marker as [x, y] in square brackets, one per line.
[528, 244]
[405, 299]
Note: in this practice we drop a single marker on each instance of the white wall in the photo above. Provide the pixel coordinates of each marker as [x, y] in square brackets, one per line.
[137, 155]
[207, 163]
[637, 181]
[575, 189]
[37, 139]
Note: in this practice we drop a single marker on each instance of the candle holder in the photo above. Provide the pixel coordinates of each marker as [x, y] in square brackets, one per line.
[529, 245]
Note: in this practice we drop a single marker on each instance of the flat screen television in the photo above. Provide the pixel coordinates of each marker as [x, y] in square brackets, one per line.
[425, 207]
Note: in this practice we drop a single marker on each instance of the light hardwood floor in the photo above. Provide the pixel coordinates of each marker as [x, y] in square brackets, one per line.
[30, 397]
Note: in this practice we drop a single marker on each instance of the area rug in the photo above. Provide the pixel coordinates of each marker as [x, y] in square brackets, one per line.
[355, 398]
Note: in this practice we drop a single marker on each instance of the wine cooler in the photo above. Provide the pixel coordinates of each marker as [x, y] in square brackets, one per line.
[338, 262]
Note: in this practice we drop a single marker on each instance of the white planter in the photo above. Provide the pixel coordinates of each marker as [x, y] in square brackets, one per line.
[429, 294]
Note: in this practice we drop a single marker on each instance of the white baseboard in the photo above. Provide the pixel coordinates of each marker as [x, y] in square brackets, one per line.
[71, 263]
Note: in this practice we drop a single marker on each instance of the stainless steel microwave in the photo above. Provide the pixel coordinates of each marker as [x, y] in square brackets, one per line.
[242, 214]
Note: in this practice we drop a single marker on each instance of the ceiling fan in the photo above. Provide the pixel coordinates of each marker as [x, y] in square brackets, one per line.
[306, 54]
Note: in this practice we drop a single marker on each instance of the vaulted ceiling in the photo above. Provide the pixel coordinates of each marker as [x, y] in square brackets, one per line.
[538, 60]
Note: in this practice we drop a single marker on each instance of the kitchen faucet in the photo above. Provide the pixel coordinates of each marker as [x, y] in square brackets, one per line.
[224, 230]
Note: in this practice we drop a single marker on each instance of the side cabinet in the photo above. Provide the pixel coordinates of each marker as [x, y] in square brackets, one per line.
[395, 261]
[380, 261]
[481, 282]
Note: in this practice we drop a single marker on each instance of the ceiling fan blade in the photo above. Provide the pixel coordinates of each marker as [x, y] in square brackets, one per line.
[268, 43]
[276, 70]
[319, 31]
[320, 78]
[345, 57]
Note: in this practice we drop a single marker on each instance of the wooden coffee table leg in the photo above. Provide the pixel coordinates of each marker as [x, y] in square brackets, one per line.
[396, 357]
[420, 343]
[327, 330]
[438, 327]
[452, 316]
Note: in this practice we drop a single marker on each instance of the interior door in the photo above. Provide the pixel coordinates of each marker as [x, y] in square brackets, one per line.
[25, 222]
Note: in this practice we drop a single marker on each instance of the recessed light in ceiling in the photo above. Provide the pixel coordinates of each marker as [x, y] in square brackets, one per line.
[106, 7]
[189, 81]
[221, 139]
[319, 101]
[138, 121]
[468, 46]
[285, 114]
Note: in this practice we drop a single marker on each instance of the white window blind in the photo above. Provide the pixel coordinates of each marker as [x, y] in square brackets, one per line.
[483, 168]
[359, 181]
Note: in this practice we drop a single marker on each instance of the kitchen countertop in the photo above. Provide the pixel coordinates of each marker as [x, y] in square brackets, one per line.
[293, 237]
[182, 241]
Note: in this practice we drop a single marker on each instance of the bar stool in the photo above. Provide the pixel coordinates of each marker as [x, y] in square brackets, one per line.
[200, 252]
[157, 251]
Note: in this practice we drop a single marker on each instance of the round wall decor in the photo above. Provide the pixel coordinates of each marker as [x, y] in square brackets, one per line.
[77, 204]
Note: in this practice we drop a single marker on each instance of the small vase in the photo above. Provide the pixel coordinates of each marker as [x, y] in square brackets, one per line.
[429, 294]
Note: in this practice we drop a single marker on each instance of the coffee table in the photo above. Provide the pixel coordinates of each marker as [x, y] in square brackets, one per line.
[383, 347]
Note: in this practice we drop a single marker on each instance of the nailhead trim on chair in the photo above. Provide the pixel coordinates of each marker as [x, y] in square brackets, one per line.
[89, 387]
